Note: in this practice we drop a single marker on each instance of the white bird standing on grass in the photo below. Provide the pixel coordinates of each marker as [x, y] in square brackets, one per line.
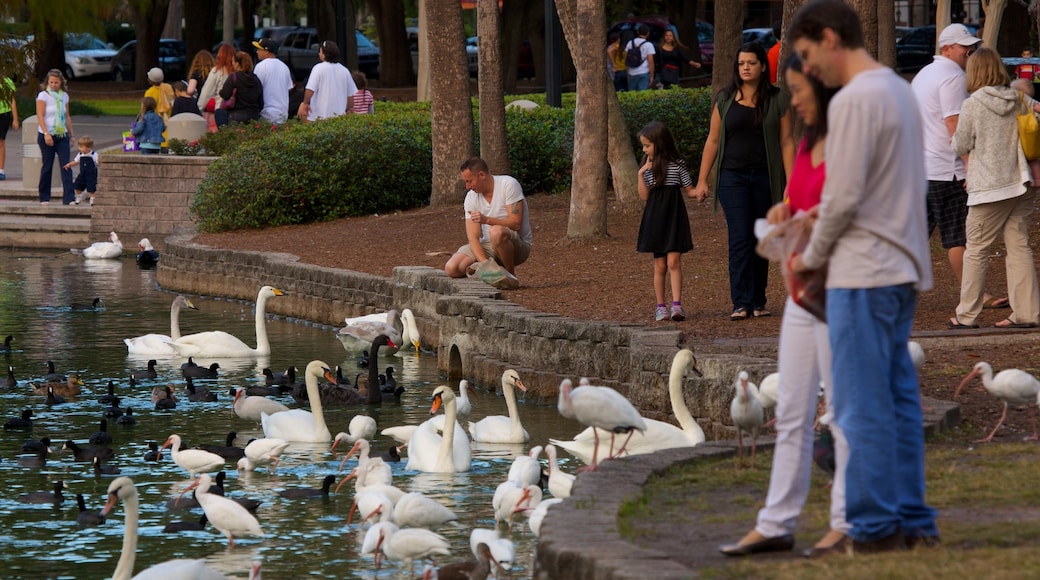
[1010, 385]
[746, 412]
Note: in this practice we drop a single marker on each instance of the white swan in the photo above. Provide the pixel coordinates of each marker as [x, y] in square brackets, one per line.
[463, 404]
[122, 488]
[220, 344]
[159, 344]
[499, 428]
[526, 468]
[113, 248]
[560, 483]
[360, 334]
[659, 435]
[409, 332]
[298, 424]
[430, 452]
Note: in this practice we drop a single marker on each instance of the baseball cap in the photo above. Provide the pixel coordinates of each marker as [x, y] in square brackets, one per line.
[155, 75]
[957, 34]
[266, 44]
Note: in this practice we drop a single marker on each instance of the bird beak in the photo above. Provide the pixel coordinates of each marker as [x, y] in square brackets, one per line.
[165, 445]
[520, 384]
[329, 376]
[277, 292]
[111, 503]
[191, 305]
[416, 343]
[352, 475]
[193, 485]
[966, 380]
[696, 370]
[436, 405]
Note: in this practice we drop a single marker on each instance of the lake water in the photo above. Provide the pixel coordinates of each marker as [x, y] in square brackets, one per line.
[44, 303]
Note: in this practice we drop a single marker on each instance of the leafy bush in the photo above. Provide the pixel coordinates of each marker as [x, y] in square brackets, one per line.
[541, 145]
[182, 147]
[230, 137]
[686, 113]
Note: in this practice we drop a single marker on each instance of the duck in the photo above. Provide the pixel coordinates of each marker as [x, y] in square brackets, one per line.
[23, 423]
[360, 334]
[253, 408]
[159, 344]
[101, 436]
[53, 399]
[34, 445]
[188, 526]
[87, 518]
[362, 361]
[192, 460]
[220, 344]
[298, 424]
[224, 514]
[263, 453]
[88, 453]
[200, 372]
[310, 492]
[38, 459]
[431, 452]
[331, 394]
[53, 376]
[147, 257]
[66, 387]
[199, 395]
[100, 469]
[96, 305]
[6, 346]
[10, 381]
[499, 428]
[228, 451]
[659, 434]
[113, 248]
[111, 396]
[286, 377]
[127, 419]
[55, 496]
[167, 403]
[265, 391]
[360, 427]
[149, 372]
[153, 454]
[113, 412]
[123, 489]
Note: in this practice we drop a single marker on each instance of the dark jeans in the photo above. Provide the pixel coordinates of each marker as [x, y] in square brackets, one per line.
[745, 197]
[621, 81]
[47, 152]
[221, 117]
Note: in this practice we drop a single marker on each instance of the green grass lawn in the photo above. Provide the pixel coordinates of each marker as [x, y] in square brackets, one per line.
[92, 107]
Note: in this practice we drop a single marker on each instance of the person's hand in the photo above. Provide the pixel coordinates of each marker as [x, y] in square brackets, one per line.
[15, 124]
[701, 191]
[695, 64]
[476, 217]
[48, 139]
[648, 164]
[778, 214]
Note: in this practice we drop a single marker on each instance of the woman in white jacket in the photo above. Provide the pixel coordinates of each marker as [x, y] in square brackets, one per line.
[1000, 195]
[225, 65]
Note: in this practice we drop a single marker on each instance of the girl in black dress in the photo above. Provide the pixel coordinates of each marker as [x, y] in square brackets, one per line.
[665, 228]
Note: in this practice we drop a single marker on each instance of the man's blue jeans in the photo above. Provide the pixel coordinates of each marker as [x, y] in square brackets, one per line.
[639, 82]
[878, 405]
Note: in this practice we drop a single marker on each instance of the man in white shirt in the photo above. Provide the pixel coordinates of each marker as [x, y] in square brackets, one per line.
[328, 87]
[641, 78]
[275, 79]
[497, 223]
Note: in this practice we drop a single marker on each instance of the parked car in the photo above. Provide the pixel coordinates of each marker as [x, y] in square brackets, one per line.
[472, 62]
[173, 56]
[763, 36]
[85, 55]
[915, 50]
[299, 49]
[658, 24]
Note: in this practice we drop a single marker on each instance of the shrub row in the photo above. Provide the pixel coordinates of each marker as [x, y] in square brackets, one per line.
[362, 164]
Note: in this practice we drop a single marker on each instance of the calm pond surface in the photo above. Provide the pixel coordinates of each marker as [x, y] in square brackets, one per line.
[303, 537]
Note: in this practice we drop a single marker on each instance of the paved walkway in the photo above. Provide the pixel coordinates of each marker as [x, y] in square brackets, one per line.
[106, 131]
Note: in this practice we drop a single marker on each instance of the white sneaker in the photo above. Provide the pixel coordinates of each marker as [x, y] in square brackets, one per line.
[80, 197]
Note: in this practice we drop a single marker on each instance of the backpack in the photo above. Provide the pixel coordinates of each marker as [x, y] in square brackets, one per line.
[634, 56]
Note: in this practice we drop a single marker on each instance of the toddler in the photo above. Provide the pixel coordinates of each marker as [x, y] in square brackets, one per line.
[183, 103]
[362, 102]
[149, 128]
[87, 160]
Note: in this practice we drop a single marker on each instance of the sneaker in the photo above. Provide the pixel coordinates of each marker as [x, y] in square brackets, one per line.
[678, 314]
[80, 197]
[92, 200]
[3, 176]
[662, 313]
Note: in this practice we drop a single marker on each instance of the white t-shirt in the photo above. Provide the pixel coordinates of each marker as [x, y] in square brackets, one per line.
[940, 88]
[276, 80]
[332, 84]
[93, 155]
[50, 113]
[647, 48]
[507, 192]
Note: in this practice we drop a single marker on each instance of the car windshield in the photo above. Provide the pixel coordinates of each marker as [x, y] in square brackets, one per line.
[363, 41]
[83, 42]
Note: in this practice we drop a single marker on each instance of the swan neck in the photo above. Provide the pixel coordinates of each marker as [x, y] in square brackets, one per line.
[175, 320]
[514, 415]
[316, 410]
[446, 456]
[263, 347]
[375, 393]
[682, 413]
[125, 568]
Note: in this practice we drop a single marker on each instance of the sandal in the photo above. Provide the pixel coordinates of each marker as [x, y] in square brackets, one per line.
[997, 302]
[1007, 323]
[954, 324]
[739, 314]
[760, 312]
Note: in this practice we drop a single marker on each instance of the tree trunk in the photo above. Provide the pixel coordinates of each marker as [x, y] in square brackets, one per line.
[584, 22]
[683, 14]
[790, 7]
[942, 20]
[994, 10]
[868, 17]
[729, 34]
[451, 115]
[228, 25]
[198, 29]
[395, 60]
[148, 20]
[422, 81]
[886, 23]
[493, 146]
[172, 29]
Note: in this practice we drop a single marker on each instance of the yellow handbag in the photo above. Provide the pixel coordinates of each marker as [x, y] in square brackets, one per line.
[1028, 130]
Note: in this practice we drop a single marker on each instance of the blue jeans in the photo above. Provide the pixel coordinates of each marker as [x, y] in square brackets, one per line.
[745, 196]
[621, 81]
[639, 82]
[878, 405]
[47, 152]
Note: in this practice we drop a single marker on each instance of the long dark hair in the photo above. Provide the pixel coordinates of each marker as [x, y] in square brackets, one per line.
[822, 95]
[766, 88]
[665, 151]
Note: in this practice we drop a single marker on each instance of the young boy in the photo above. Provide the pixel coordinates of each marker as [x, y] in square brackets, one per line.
[183, 103]
[87, 159]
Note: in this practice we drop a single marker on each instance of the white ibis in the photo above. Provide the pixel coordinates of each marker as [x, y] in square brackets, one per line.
[747, 414]
[360, 427]
[502, 549]
[1010, 385]
[535, 521]
[225, 514]
[192, 460]
[263, 453]
[916, 354]
[512, 497]
[601, 407]
[500, 428]
[415, 510]
[526, 468]
[375, 468]
[405, 545]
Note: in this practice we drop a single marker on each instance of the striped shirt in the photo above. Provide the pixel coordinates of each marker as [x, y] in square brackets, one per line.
[363, 99]
[677, 175]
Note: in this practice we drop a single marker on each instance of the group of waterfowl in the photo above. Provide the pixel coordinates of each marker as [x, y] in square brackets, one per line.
[147, 257]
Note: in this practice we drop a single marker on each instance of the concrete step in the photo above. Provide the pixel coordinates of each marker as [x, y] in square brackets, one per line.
[25, 223]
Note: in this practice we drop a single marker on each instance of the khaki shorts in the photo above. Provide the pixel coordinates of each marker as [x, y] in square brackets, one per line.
[521, 249]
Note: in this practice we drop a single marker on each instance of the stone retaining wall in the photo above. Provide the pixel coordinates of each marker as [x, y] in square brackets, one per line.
[146, 196]
[475, 332]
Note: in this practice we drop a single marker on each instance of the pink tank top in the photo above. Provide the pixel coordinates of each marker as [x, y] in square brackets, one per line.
[805, 187]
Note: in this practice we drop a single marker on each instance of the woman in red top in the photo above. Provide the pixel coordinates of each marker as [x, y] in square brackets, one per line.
[804, 360]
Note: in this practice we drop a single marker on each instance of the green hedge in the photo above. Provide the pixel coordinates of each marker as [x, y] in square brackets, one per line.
[362, 164]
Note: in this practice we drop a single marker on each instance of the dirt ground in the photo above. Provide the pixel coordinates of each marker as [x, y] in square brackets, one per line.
[606, 279]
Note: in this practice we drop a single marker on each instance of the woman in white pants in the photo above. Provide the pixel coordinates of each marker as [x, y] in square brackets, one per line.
[804, 361]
